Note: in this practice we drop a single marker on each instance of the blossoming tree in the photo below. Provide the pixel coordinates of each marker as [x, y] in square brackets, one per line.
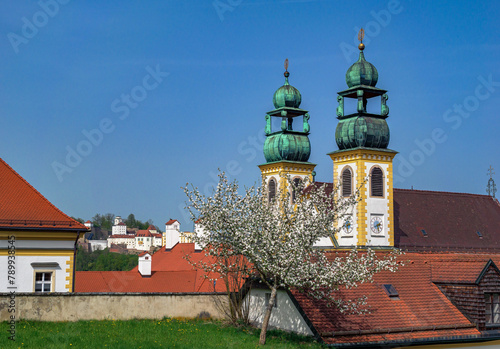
[277, 238]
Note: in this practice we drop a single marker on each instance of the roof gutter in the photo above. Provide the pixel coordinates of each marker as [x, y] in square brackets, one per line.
[395, 330]
[423, 341]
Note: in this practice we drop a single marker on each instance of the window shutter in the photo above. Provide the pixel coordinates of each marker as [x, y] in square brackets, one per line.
[296, 183]
[272, 189]
[377, 182]
[346, 182]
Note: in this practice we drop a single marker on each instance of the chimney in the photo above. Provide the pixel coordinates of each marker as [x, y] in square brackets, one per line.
[145, 264]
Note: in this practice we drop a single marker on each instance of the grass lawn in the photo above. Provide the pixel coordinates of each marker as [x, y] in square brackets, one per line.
[166, 333]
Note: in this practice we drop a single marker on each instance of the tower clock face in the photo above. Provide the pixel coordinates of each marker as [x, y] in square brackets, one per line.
[377, 225]
[347, 227]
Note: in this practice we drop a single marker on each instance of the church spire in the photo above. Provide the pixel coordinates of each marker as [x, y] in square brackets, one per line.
[363, 162]
[287, 149]
[361, 128]
[287, 143]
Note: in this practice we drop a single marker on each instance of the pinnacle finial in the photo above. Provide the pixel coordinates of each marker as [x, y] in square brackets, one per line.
[361, 36]
[491, 188]
[287, 74]
[491, 172]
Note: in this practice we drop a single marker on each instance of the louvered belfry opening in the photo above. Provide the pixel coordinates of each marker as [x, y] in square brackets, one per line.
[377, 182]
[272, 189]
[346, 182]
[296, 183]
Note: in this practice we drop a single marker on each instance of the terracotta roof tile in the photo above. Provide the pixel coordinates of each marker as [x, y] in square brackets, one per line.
[24, 207]
[170, 272]
[172, 221]
[420, 305]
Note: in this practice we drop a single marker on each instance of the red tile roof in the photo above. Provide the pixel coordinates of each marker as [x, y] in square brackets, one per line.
[170, 272]
[24, 207]
[451, 221]
[121, 223]
[172, 221]
[422, 310]
[151, 227]
[143, 233]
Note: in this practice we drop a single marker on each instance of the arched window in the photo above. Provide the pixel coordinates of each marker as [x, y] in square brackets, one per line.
[346, 182]
[296, 183]
[271, 189]
[377, 182]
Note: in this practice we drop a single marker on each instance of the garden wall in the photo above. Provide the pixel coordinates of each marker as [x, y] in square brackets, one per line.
[101, 306]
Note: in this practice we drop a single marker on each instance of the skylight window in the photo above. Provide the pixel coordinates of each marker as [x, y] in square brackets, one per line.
[479, 234]
[391, 291]
[424, 233]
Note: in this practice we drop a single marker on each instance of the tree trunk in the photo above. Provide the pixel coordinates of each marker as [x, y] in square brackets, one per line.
[265, 322]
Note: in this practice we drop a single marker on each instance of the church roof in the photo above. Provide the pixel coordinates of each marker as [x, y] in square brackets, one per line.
[171, 221]
[450, 221]
[24, 207]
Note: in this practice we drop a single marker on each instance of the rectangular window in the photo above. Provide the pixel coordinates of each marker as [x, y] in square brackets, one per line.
[268, 298]
[43, 282]
[492, 310]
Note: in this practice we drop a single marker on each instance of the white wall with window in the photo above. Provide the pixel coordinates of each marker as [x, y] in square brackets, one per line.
[37, 273]
[348, 229]
[377, 204]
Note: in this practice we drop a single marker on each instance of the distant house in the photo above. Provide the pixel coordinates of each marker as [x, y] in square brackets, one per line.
[173, 234]
[142, 240]
[40, 236]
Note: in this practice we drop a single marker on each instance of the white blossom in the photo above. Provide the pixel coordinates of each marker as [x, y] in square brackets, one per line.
[277, 239]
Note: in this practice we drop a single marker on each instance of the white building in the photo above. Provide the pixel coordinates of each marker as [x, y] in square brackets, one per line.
[142, 240]
[172, 233]
[119, 228]
[126, 239]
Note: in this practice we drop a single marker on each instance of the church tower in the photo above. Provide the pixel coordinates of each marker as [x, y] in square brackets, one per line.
[363, 161]
[286, 150]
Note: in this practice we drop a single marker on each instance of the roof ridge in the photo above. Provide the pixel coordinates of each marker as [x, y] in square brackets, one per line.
[41, 196]
[440, 192]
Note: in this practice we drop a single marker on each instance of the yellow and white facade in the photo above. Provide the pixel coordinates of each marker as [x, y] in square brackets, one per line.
[43, 261]
[371, 221]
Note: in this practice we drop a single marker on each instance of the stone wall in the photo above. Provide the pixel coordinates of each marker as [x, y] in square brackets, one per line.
[102, 306]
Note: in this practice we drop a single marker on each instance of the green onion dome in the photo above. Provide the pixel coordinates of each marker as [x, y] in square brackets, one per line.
[361, 72]
[287, 95]
[362, 131]
[287, 146]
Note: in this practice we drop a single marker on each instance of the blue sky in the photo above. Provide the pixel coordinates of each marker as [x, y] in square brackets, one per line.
[202, 76]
